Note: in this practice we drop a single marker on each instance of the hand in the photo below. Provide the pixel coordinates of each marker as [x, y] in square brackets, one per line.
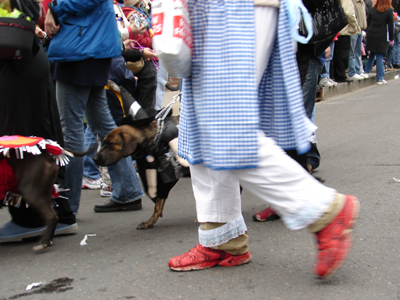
[129, 44]
[391, 43]
[40, 33]
[149, 54]
[137, 30]
[50, 25]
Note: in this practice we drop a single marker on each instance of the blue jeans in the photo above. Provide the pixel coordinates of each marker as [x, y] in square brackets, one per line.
[328, 62]
[75, 101]
[310, 86]
[396, 49]
[380, 73]
[309, 93]
[389, 56]
[355, 55]
[90, 169]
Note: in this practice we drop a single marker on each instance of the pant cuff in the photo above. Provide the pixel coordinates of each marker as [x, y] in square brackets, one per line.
[222, 234]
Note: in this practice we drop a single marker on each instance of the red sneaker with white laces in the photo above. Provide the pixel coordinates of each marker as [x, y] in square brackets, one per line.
[266, 215]
[334, 241]
[200, 258]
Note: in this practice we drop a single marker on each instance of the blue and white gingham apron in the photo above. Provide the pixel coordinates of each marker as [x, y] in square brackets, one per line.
[222, 109]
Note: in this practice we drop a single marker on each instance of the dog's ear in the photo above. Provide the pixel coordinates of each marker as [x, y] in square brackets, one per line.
[130, 143]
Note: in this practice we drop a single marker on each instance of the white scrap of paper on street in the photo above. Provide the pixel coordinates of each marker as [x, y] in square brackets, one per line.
[395, 179]
[83, 242]
[32, 285]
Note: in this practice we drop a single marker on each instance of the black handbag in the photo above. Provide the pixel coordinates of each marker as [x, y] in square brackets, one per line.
[327, 20]
[17, 35]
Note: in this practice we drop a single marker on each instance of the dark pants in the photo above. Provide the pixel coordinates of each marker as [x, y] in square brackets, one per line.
[310, 69]
[341, 57]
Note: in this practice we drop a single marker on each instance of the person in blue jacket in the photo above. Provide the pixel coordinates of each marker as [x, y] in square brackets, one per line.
[84, 40]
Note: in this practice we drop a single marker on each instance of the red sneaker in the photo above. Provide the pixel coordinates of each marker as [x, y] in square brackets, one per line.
[334, 241]
[200, 257]
[266, 215]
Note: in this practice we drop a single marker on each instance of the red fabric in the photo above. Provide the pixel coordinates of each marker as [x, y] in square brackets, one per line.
[8, 180]
[54, 150]
[336, 37]
[144, 39]
[44, 2]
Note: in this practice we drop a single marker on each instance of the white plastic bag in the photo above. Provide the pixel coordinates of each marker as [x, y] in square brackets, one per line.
[172, 38]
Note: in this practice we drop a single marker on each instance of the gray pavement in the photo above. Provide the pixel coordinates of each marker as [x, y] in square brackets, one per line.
[358, 138]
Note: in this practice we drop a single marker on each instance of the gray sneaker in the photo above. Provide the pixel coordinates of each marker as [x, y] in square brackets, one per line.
[333, 82]
[325, 82]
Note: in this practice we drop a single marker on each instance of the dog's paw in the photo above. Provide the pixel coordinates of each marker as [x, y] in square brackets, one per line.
[144, 225]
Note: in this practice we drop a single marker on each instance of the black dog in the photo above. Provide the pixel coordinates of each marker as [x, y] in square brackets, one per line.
[159, 166]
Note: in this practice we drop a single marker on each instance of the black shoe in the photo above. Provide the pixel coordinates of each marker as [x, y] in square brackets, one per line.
[111, 206]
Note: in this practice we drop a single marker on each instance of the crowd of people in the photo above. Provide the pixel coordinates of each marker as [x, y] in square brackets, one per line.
[372, 40]
[229, 129]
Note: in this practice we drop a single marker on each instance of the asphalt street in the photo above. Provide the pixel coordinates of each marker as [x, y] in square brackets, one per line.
[358, 138]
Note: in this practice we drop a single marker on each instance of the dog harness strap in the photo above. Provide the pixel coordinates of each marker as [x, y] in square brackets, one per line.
[160, 117]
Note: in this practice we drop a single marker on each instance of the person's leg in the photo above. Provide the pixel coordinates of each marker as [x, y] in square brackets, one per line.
[309, 89]
[370, 62]
[329, 59]
[162, 79]
[380, 73]
[72, 100]
[325, 76]
[352, 56]
[302, 202]
[91, 174]
[396, 51]
[222, 232]
[127, 191]
[341, 58]
[357, 54]
[389, 57]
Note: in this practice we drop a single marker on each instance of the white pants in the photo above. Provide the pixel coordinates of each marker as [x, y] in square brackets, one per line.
[279, 180]
[297, 196]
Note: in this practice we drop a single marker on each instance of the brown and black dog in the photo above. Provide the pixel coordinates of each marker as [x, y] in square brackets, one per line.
[35, 177]
[138, 141]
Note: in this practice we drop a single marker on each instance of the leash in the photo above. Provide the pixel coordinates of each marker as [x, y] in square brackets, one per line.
[161, 116]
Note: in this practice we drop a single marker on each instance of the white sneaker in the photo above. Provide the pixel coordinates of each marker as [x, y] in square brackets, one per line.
[383, 81]
[106, 190]
[364, 75]
[325, 82]
[88, 183]
[356, 77]
[332, 81]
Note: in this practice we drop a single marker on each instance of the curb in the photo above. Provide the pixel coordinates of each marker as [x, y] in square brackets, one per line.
[346, 87]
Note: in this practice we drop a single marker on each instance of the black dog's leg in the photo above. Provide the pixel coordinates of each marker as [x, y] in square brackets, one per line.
[162, 195]
[158, 208]
[36, 175]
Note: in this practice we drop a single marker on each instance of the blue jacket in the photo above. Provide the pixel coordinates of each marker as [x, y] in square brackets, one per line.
[88, 30]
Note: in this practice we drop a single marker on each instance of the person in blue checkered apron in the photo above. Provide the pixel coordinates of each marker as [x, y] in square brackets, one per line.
[241, 108]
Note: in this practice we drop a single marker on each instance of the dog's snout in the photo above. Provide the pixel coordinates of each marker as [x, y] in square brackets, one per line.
[98, 159]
